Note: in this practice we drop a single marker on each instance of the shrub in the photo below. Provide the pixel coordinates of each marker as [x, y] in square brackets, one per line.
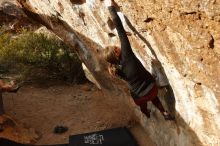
[35, 55]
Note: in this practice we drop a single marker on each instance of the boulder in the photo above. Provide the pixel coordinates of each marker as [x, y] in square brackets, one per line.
[177, 41]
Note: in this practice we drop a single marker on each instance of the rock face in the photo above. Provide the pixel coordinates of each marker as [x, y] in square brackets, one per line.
[178, 41]
[11, 15]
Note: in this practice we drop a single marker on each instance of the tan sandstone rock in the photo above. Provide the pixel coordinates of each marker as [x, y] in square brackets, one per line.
[178, 41]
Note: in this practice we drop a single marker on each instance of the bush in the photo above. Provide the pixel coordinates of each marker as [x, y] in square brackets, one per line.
[36, 55]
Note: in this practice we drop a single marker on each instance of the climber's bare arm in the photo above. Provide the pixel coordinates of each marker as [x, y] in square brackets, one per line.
[125, 44]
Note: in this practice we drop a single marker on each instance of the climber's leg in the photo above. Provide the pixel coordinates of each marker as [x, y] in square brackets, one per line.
[158, 104]
[144, 109]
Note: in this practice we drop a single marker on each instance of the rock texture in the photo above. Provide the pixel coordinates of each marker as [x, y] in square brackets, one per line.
[14, 18]
[178, 41]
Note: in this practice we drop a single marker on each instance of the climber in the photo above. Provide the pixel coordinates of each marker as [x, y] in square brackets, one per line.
[6, 87]
[125, 64]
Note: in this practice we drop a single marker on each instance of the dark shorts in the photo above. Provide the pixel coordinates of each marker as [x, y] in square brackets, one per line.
[149, 97]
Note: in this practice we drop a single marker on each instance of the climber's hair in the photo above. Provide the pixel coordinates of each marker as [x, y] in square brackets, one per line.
[109, 55]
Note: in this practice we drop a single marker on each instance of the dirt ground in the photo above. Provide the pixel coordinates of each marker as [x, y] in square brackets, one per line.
[82, 108]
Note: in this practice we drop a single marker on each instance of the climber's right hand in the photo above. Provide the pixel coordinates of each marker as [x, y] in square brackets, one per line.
[108, 3]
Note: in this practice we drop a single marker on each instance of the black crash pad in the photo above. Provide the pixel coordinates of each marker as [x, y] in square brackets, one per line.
[112, 137]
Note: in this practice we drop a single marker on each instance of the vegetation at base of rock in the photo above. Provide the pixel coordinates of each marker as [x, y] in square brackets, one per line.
[32, 55]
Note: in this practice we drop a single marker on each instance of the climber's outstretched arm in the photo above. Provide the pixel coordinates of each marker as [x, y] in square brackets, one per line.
[125, 44]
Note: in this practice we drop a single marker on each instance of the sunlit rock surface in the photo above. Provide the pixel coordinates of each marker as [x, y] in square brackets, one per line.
[178, 41]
